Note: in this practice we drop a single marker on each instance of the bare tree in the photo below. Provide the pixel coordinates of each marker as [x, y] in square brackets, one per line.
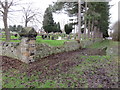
[30, 15]
[4, 9]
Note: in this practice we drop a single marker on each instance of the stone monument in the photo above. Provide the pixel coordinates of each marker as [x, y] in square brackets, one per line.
[27, 45]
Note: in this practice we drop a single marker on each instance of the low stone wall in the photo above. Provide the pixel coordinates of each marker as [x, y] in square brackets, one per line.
[27, 51]
[43, 50]
[22, 51]
[10, 49]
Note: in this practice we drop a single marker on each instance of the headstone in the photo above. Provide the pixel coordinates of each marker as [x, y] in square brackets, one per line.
[43, 37]
[48, 37]
[59, 38]
[52, 38]
[15, 35]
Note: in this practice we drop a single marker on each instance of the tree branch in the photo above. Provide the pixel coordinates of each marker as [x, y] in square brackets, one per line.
[1, 3]
[1, 11]
[10, 4]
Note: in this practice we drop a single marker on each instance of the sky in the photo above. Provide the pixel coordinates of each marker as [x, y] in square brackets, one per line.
[43, 4]
[114, 11]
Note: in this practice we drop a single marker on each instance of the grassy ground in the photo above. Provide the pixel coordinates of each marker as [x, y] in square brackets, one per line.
[40, 40]
[51, 42]
[93, 71]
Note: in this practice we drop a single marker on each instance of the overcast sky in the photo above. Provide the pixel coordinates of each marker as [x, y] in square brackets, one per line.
[114, 11]
[43, 4]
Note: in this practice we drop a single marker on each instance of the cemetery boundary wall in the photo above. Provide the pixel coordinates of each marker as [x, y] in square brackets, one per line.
[22, 51]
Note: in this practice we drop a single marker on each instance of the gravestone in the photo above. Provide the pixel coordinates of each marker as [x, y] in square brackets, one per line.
[59, 38]
[27, 45]
[52, 38]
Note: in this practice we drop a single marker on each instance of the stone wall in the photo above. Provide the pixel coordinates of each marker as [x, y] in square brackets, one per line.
[10, 49]
[28, 51]
[43, 50]
[24, 51]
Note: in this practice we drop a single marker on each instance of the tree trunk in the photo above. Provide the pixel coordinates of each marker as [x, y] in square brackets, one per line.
[85, 29]
[98, 33]
[94, 34]
[5, 16]
[101, 35]
[26, 23]
[89, 29]
[79, 20]
[85, 20]
[92, 27]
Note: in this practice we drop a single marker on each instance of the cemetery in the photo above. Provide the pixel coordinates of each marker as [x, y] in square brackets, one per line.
[28, 50]
[43, 50]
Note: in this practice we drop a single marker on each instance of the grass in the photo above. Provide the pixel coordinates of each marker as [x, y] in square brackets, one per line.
[13, 39]
[75, 76]
[25, 81]
[40, 40]
[112, 46]
[104, 43]
[51, 42]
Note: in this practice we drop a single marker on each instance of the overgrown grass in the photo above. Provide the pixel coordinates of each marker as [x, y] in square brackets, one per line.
[51, 42]
[104, 43]
[112, 46]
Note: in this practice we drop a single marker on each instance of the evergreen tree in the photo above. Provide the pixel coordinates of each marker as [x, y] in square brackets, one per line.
[68, 28]
[48, 22]
[104, 18]
[19, 28]
[97, 14]
[15, 28]
[11, 28]
[58, 27]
